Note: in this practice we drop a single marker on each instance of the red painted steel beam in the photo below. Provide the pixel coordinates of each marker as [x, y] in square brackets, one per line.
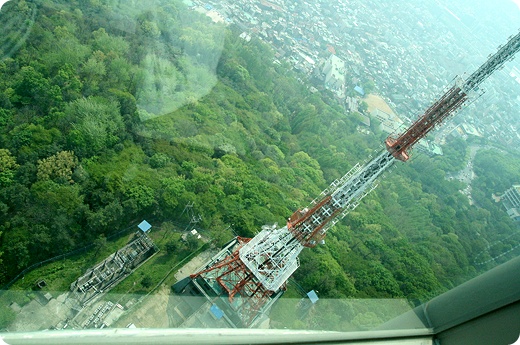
[450, 102]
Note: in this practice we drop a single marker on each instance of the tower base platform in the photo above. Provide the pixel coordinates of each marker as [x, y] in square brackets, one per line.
[201, 302]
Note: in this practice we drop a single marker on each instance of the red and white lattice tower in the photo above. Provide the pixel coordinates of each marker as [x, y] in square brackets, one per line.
[260, 266]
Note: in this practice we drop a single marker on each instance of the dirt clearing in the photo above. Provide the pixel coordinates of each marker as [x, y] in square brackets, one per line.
[376, 102]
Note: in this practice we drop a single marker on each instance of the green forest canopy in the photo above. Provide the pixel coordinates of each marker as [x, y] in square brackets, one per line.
[109, 114]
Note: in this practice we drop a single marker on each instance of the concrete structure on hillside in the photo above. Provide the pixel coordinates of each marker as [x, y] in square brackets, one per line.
[351, 104]
[334, 71]
[390, 123]
[511, 201]
[429, 147]
[113, 269]
[515, 74]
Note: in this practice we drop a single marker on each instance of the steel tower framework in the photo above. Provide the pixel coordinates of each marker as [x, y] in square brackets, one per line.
[261, 266]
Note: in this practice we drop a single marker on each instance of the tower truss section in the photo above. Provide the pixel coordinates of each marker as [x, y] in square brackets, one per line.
[309, 226]
[449, 103]
[272, 256]
[494, 62]
[230, 277]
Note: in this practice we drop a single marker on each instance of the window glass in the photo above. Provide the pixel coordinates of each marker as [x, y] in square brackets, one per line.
[168, 163]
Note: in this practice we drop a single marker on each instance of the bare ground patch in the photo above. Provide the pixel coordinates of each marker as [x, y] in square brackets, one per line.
[376, 102]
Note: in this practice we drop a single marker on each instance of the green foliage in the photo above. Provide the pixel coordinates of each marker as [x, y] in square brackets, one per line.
[363, 107]
[7, 316]
[93, 71]
[57, 167]
[138, 198]
[146, 282]
[172, 189]
[109, 44]
[68, 82]
[100, 243]
[32, 88]
[8, 167]
[159, 160]
[454, 157]
[95, 125]
[157, 94]
[174, 245]
[66, 50]
[496, 171]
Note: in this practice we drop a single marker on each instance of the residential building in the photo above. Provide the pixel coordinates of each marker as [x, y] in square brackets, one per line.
[511, 201]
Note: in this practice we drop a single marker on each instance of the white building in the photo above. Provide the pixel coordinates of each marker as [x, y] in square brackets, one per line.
[334, 70]
[511, 201]
[515, 74]
[390, 123]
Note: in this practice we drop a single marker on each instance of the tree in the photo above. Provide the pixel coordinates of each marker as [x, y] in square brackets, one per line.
[100, 243]
[2, 267]
[96, 124]
[172, 189]
[363, 107]
[107, 217]
[219, 233]
[58, 167]
[174, 244]
[139, 198]
[147, 281]
[65, 49]
[109, 44]
[258, 147]
[171, 247]
[92, 72]
[158, 93]
[8, 167]
[366, 321]
[149, 29]
[59, 206]
[18, 254]
[127, 107]
[159, 160]
[68, 82]
[32, 88]
[192, 242]
[369, 86]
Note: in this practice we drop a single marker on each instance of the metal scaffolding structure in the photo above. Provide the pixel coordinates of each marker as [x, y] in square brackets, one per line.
[113, 269]
[260, 267]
